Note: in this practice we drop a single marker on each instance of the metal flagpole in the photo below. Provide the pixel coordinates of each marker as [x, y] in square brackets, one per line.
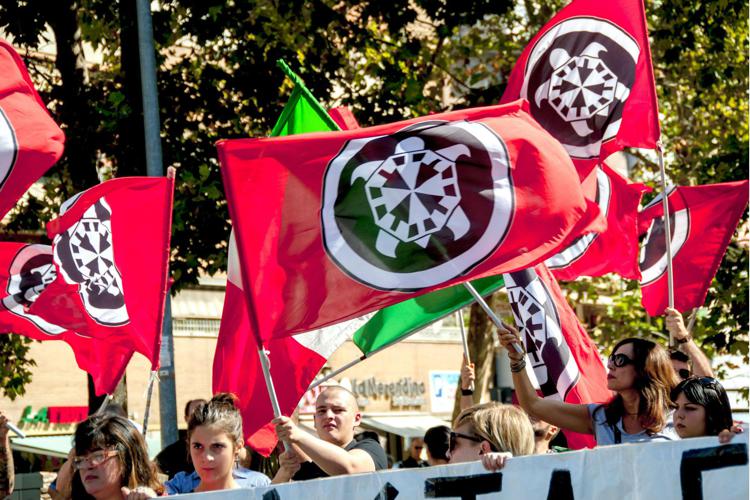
[265, 363]
[460, 319]
[667, 231]
[154, 167]
[497, 321]
[154, 376]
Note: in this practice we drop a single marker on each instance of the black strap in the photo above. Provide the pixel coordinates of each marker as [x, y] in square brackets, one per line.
[617, 433]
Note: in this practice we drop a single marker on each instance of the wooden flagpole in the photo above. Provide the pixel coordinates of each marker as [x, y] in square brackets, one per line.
[667, 232]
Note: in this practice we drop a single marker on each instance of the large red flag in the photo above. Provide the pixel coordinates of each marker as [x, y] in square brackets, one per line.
[111, 254]
[615, 250]
[295, 361]
[562, 357]
[30, 141]
[702, 221]
[25, 271]
[589, 79]
[333, 225]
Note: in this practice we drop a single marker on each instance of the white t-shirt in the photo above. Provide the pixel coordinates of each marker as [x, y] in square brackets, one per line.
[606, 434]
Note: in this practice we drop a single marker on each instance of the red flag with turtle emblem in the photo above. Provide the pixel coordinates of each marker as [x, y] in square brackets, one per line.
[589, 80]
[25, 271]
[111, 253]
[353, 221]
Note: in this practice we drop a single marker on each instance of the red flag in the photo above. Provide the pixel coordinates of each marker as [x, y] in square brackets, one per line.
[702, 221]
[25, 271]
[353, 221]
[344, 118]
[295, 361]
[30, 141]
[561, 355]
[615, 250]
[589, 79]
[111, 252]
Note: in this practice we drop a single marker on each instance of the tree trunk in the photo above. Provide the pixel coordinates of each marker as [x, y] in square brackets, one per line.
[481, 339]
[76, 114]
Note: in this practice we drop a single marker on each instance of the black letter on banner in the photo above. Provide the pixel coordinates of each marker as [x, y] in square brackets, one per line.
[560, 487]
[694, 462]
[466, 487]
[389, 492]
[271, 495]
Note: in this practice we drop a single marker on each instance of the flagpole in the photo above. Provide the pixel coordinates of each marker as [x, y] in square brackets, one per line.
[497, 321]
[460, 319]
[358, 361]
[265, 363]
[149, 393]
[667, 232]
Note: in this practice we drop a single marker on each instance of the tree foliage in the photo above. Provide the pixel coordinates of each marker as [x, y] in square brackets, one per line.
[387, 61]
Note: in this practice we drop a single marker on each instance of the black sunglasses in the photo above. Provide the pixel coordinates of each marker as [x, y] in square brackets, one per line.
[620, 360]
[683, 373]
[455, 435]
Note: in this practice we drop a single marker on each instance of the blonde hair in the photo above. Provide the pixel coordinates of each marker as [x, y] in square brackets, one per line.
[506, 427]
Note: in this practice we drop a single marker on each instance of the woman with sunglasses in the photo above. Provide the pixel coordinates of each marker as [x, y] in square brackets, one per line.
[703, 409]
[490, 432]
[640, 375]
[111, 461]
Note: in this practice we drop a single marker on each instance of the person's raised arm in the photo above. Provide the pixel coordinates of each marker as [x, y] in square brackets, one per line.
[467, 384]
[564, 415]
[334, 460]
[676, 327]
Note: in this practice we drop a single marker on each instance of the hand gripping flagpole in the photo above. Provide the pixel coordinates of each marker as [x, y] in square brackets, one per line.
[497, 321]
[460, 320]
[667, 232]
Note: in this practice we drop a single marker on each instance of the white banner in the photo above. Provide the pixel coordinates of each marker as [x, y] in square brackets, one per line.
[692, 469]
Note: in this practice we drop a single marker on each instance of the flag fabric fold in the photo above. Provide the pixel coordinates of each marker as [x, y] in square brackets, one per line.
[589, 79]
[111, 255]
[358, 220]
[561, 356]
[25, 271]
[614, 250]
[702, 220]
[30, 140]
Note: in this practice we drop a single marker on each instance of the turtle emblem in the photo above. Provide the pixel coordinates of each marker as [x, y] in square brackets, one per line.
[653, 256]
[8, 147]
[418, 207]
[28, 275]
[577, 79]
[413, 194]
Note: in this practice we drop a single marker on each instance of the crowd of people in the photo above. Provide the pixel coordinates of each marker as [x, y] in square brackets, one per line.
[655, 397]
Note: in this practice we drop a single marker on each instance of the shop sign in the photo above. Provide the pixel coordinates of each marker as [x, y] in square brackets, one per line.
[403, 392]
[57, 415]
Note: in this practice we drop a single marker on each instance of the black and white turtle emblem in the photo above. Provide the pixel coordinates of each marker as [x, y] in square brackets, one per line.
[538, 323]
[577, 79]
[29, 273]
[85, 256]
[418, 207]
[8, 147]
[653, 256]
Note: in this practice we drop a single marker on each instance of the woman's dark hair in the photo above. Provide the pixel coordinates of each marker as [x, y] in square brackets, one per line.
[710, 394]
[654, 380]
[437, 439]
[107, 431]
[220, 412]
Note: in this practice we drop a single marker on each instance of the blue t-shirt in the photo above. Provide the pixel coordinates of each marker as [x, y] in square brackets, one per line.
[606, 434]
[184, 482]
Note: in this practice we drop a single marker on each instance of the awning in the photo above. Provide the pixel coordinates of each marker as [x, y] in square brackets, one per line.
[408, 426]
[59, 446]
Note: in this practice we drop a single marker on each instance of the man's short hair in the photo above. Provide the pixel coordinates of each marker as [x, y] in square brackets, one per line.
[679, 356]
[437, 440]
[341, 388]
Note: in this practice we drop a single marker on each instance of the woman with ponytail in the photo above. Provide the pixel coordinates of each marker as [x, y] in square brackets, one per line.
[215, 440]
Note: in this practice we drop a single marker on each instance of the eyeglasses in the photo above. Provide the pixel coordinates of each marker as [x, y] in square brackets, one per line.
[94, 459]
[619, 360]
[455, 435]
[683, 373]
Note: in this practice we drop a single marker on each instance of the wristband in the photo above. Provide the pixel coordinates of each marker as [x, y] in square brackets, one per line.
[684, 340]
[467, 392]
